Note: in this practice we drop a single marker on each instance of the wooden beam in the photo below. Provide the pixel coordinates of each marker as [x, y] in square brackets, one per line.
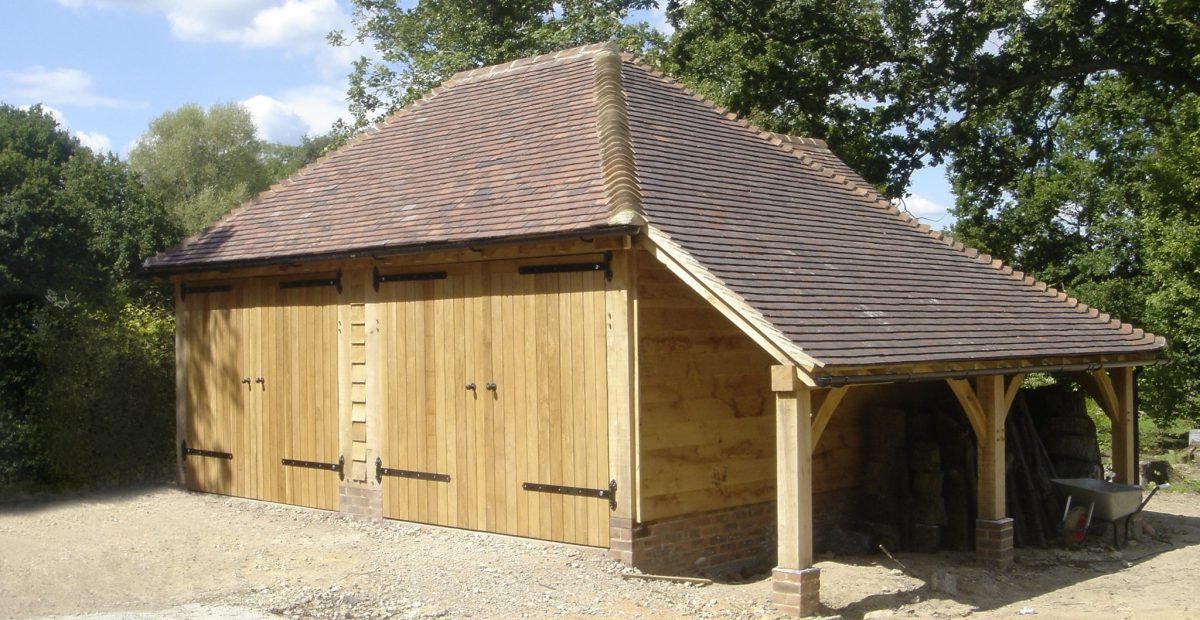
[825, 402]
[620, 302]
[1010, 391]
[970, 403]
[793, 468]
[1123, 449]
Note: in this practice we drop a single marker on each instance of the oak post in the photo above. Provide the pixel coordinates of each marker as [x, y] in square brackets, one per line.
[986, 406]
[795, 582]
[621, 326]
[181, 383]
[1123, 420]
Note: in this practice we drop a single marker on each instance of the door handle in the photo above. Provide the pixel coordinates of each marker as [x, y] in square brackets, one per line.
[261, 381]
[471, 386]
[490, 386]
[247, 381]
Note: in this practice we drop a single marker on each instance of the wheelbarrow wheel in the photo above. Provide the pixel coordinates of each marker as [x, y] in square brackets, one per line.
[1075, 526]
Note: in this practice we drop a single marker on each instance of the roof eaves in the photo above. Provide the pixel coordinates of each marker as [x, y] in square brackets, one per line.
[383, 251]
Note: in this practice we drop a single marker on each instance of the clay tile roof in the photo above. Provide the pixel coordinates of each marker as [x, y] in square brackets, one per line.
[588, 140]
[495, 153]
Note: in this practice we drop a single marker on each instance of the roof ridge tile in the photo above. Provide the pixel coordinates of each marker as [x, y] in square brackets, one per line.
[506, 68]
[617, 159]
[874, 198]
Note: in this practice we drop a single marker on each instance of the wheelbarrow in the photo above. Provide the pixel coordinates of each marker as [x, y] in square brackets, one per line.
[1106, 502]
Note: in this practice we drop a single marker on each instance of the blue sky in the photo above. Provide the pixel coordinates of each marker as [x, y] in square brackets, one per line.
[106, 68]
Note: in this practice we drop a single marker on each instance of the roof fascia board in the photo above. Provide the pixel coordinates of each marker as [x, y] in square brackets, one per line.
[729, 304]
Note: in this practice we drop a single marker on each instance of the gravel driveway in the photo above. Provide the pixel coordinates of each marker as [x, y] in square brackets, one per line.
[154, 552]
[161, 551]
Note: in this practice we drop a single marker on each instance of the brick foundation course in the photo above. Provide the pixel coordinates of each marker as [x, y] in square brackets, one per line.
[994, 541]
[727, 542]
[361, 501]
[796, 593]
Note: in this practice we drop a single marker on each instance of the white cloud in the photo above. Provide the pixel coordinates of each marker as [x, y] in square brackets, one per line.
[286, 117]
[95, 140]
[923, 208]
[92, 139]
[276, 121]
[60, 86]
[295, 25]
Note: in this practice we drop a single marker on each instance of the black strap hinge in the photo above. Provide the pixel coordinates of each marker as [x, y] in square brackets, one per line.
[604, 265]
[339, 466]
[381, 471]
[335, 281]
[183, 447]
[378, 278]
[609, 494]
[185, 290]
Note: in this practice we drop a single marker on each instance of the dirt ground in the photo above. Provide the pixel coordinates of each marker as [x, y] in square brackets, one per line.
[158, 551]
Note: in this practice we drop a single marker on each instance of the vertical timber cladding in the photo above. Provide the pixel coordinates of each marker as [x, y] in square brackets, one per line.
[261, 368]
[496, 378]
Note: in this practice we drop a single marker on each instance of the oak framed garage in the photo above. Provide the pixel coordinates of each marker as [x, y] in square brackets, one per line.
[565, 298]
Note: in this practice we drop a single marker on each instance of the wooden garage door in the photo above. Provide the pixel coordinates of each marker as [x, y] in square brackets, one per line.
[300, 391]
[539, 339]
[213, 323]
[261, 384]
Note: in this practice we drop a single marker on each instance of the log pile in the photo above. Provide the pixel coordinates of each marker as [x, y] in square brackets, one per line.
[885, 507]
[1069, 435]
[1031, 500]
[920, 478]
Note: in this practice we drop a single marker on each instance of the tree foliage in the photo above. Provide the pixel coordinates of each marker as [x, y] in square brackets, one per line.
[85, 372]
[201, 163]
[1069, 128]
[421, 46]
[897, 84]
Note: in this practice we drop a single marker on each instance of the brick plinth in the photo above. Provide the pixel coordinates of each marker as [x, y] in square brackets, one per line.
[361, 501]
[621, 533]
[796, 593]
[994, 541]
[718, 543]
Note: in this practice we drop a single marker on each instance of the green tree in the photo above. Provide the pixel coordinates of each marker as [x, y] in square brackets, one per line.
[421, 46]
[897, 84]
[85, 388]
[1064, 124]
[201, 163]
[283, 160]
